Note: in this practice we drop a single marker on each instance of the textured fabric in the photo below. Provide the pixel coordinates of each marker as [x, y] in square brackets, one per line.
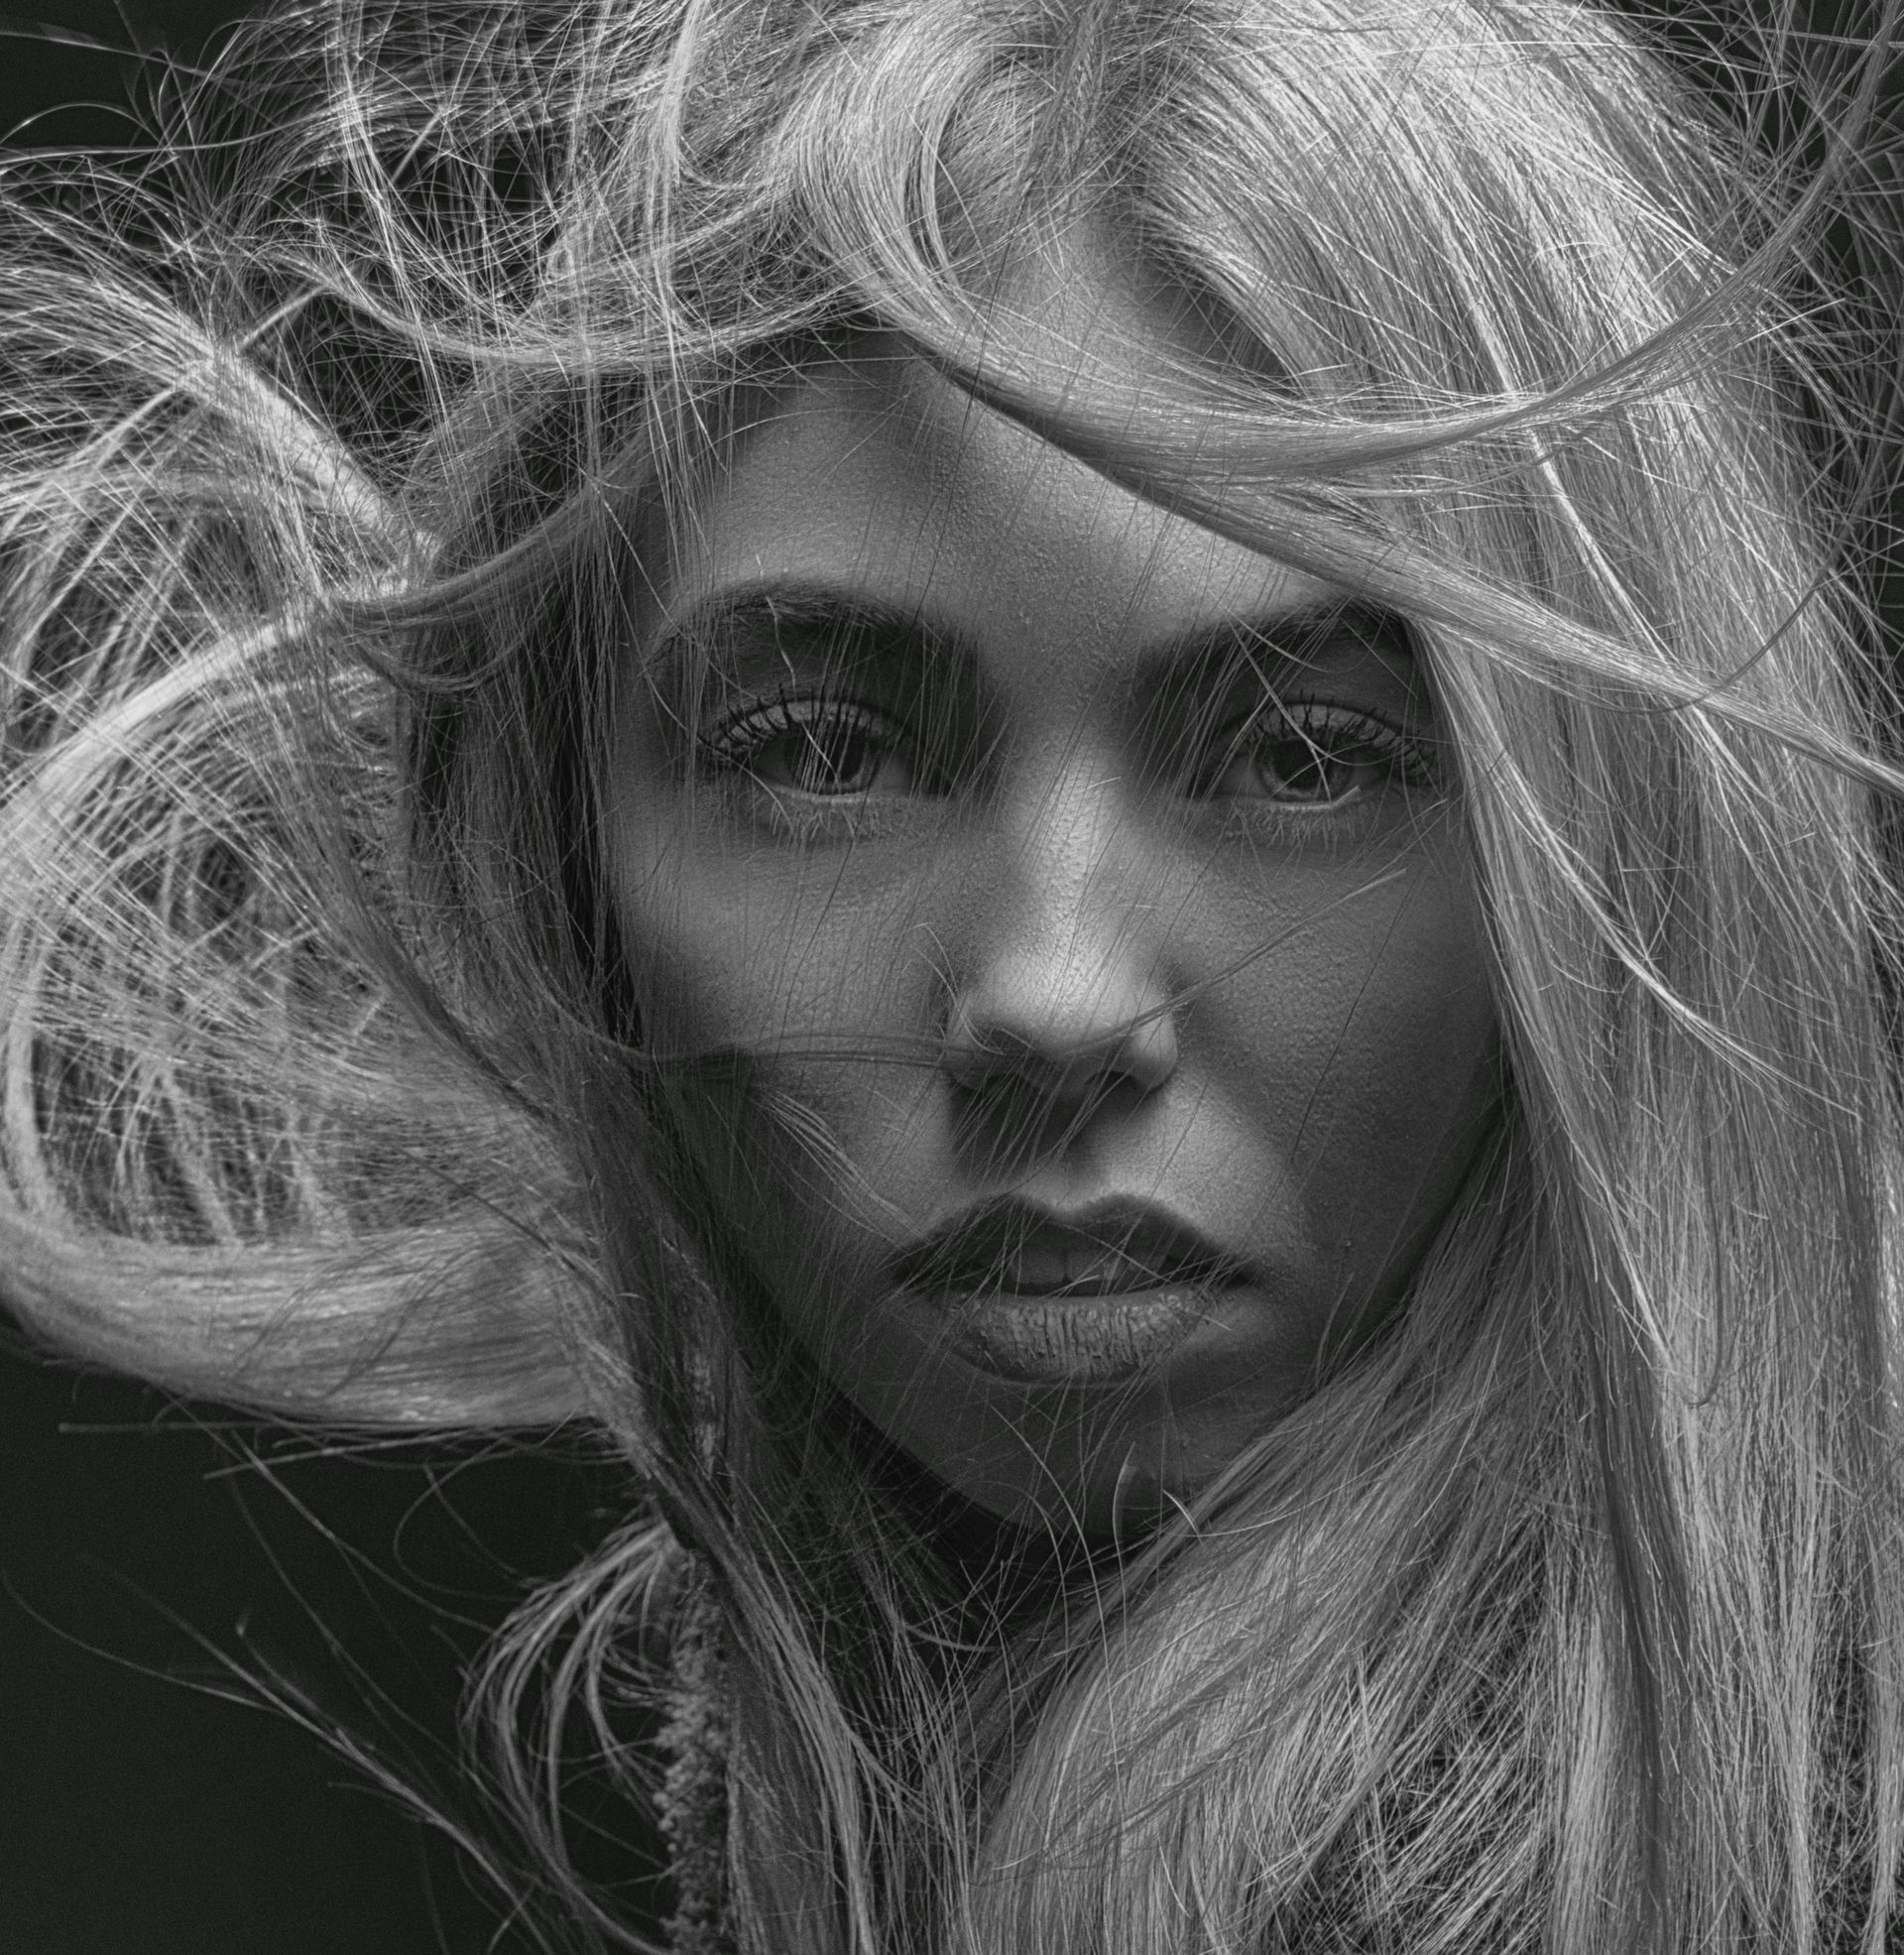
[693, 1799]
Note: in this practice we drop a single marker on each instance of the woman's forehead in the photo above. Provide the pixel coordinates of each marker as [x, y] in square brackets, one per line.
[874, 473]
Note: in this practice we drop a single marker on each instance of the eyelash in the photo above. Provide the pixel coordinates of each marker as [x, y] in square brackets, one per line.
[1327, 734]
[736, 746]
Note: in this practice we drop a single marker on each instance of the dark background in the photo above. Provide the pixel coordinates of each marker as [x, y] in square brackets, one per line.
[57, 94]
[160, 1563]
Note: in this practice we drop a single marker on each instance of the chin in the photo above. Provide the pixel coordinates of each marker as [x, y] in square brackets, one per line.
[1101, 1481]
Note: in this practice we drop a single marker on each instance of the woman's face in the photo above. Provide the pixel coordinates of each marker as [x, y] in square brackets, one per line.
[1094, 885]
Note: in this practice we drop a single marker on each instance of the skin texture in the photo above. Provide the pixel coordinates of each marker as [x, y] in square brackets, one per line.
[1069, 920]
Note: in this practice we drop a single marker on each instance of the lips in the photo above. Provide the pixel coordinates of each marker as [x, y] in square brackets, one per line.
[1111, 1249]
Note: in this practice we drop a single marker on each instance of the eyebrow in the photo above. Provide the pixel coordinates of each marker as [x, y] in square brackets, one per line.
[806, 608]
[801, 608]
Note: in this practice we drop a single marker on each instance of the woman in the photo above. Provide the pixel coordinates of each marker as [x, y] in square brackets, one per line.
[1084, 800]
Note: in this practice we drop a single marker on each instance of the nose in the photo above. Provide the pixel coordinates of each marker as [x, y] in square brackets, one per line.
[1062, 996]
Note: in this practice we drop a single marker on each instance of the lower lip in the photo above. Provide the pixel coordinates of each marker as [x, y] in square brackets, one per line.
[1074, 1340]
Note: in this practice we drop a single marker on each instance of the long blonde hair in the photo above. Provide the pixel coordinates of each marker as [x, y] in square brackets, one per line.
[1568, 1616]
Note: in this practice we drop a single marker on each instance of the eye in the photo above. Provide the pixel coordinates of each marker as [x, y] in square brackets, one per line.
[817, 746]
[1310, 754]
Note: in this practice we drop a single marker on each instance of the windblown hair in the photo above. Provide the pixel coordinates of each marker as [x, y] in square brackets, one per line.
[1569, 1616]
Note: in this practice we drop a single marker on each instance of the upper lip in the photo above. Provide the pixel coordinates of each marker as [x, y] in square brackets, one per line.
[1012, 1246]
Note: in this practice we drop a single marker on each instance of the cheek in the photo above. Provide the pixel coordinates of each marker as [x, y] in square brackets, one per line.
[1361, 1048]
[825, 985]
[725, 957]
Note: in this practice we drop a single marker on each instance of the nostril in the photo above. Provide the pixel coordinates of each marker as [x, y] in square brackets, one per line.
[1052, 1058]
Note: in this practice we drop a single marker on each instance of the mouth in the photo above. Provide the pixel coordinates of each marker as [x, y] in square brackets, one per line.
[1091, 1297]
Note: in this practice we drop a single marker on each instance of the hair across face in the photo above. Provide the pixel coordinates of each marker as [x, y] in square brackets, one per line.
[1096, 887]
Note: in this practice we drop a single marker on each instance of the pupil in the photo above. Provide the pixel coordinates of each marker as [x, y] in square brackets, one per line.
[1302, 772]
[831, 758]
